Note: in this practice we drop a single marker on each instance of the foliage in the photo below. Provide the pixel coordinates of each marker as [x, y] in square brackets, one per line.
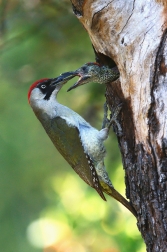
[44, 205]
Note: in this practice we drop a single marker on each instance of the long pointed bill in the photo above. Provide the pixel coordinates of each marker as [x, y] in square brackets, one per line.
[63, 78]
[81, 81]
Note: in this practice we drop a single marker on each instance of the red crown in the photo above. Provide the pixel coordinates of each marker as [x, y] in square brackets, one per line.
[34, 85]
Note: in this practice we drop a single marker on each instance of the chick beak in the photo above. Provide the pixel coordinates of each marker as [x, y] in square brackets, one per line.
[81, 81]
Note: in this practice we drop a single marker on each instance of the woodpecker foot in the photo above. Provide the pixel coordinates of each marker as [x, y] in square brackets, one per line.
[113, 120]
[106, 121]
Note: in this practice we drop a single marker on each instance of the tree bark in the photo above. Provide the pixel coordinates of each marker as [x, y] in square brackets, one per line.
[133, 35]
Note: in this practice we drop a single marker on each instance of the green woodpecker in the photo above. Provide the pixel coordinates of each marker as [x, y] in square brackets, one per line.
[77, 141]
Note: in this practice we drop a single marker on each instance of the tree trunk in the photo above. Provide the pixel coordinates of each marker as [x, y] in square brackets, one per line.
[133, 35]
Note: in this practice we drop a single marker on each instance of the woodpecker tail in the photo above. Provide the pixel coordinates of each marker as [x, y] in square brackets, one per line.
[116, 195]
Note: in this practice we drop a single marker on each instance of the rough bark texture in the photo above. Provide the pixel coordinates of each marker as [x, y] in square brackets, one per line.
[133, 35]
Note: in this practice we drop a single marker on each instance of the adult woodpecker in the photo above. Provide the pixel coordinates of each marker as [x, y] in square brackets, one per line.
[77, 141]
[93, 72]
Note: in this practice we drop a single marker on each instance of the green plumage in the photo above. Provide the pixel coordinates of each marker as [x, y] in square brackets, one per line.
[67, 141]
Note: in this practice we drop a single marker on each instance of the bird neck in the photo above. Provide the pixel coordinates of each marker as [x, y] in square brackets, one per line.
[107, 74]
[43, 106]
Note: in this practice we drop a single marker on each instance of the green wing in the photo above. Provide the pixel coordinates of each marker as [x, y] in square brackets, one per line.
[67, 141]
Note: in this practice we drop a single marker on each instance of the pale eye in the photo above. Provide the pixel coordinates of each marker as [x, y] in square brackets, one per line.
[43, 86]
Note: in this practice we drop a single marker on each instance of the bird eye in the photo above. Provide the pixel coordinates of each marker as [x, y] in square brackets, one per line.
[43, 86]
[83, 68]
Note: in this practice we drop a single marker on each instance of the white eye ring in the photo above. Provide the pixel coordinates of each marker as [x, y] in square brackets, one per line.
[43, 86]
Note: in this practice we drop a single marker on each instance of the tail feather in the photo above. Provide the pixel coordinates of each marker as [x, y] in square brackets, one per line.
[116, 195]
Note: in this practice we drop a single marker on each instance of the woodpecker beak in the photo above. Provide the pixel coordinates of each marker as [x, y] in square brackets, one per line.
[63, 78]
[82, 80]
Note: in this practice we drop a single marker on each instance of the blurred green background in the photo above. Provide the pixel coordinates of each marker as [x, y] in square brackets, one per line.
[45, 206]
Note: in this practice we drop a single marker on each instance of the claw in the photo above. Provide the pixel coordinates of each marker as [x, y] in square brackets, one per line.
[113, 119]
[105, 119]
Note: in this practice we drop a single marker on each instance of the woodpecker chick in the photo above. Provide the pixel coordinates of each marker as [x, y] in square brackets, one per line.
[93, 72]
[77, 141]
